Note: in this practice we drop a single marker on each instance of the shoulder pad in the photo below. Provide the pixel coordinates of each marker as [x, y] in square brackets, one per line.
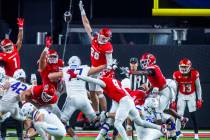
[107, 48]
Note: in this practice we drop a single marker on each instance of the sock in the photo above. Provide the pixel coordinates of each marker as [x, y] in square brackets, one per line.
[75, 137]
[130, 137]
[195, 125]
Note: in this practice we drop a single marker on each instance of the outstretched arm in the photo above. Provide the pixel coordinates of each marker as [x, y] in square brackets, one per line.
[42, 59]
[92, 80]
[19, 43]
[85, 20]
[94, 70]
[87, 79]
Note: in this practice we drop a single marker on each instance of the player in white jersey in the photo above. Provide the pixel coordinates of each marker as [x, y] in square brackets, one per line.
[77, 98]
[12, 88]
[45, 122]
[149, 114]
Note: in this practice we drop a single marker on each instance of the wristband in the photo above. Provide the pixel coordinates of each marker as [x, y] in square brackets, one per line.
[83, 12]
[46, 49]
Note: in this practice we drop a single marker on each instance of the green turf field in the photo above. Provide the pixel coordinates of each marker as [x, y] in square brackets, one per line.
[93, 138]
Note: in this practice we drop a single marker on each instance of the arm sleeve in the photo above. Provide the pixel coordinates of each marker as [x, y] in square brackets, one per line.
[109, 59]
[198, 88]
[92, 80]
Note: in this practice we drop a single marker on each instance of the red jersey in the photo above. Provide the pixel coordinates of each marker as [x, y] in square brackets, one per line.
[186, 83]
[11, 61]
[37, 93]
[113, 89]
[157, 79]
[138, 96]
[98, 52]
[49, 69]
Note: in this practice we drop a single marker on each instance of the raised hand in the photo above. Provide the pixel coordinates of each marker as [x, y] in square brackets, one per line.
[81, 7]
[48, 41]
[20, 22]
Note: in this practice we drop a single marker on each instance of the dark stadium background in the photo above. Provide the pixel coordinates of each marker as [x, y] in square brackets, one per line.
[112, 13]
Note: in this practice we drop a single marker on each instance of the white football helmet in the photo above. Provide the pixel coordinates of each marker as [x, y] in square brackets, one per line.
[19, 73]
[28, 109]
[2, 74]
[152, 102]
[74, 61]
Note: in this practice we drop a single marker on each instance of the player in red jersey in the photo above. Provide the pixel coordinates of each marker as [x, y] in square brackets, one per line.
[48, 63]
[126, 107]
[188, 85]
[101, 55]
[40, 95]
[10, 58]
[156, 79]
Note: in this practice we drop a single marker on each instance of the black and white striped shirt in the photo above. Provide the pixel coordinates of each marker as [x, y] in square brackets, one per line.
[137, 81]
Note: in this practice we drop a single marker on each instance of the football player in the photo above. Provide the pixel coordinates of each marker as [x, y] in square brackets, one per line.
[77, 98]
[126, 107]
[49, 62]
[188, 85]
[11, 102]
[149, 114]
[101, 55]
[41, 95]
[45, 122]
[10, 58]
[156, 80]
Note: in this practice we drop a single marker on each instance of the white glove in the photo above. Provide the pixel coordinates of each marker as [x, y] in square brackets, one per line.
[103, 116]
[113, 65]
[124, 70]
[81, 7]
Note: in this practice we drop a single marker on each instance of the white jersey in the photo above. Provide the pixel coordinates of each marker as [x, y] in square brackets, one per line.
[16, 87]
[152, 116]
[75, 86]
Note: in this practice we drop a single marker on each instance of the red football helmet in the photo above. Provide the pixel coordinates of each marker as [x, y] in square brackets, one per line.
[147, 59]
[185, 66]
[52, 57]
[108, 74]
[7, 46]
[104, 35]
[48, 93]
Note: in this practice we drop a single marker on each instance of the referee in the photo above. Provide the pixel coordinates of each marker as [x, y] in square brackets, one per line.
[136, 80]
